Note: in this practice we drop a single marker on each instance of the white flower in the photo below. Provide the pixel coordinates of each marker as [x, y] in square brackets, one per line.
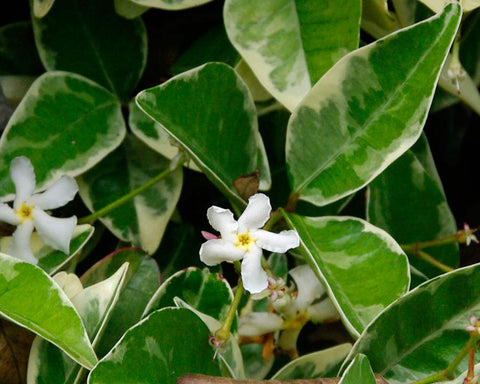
[28, 211]
[243, 239]
[310, 303]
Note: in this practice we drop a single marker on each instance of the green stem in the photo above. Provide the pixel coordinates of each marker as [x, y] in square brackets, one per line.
[449, 372]
[429, 259]
[223, 334]
[122, 200]
[276, 217]
[430, 243]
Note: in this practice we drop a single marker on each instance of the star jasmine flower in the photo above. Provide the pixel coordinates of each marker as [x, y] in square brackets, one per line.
[244, 240]
[28, 212]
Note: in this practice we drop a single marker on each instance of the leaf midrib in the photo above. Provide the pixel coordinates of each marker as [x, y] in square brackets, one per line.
[371, 119]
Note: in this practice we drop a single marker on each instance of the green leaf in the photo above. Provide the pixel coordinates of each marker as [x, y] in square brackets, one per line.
[212, 46]
[362, 268]
[87, 37]
[153, 135]
[209, 111]
[423, 331]
[290, 44]
[377, 20]
[231, 355]
[64, 125]
[256, 367]
[49, 259]
[31, 299]
[18, 54]
[143, 219]
[41, 7]
[317, 364]
[47, 364]
[206, 292]
[128, 9]
[409, 186]
[437, 5]
[141, 282]
[173, 5]
[462, 88]
[178, 249]
[168, 343]
[356, 120]
[358, 372]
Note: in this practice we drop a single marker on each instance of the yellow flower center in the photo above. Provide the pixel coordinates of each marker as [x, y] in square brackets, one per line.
[25, 212]
[297, 322]
[244, 240]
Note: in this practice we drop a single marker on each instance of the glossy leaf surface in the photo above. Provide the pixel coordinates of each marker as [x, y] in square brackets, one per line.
[356, 120]
[422, 332]
[47, 364]
[64, 125]
[290, 44]
[362, 268]
[358, 372]
[206, 292]
[141, 282]
[323, 363]
[143, 219]
[87, 37]
[409, 186]
[30, 298]
[169, 342]
[209, 111]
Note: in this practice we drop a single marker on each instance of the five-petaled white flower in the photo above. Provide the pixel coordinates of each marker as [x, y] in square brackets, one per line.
[28, 211]
[243, 239]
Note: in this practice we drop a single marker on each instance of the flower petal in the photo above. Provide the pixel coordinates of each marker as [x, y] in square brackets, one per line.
[23, 176]
[54, 231]
[259, 323]
[253, 276]
[308, 286]
[57, 195]
[256, 214]
[20, 245]
[222, 220]
[7, 215]
[277, 242]
[323, 312]
[214, 251]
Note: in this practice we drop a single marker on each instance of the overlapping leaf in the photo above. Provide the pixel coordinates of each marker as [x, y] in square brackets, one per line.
[141, 282]
[358, 372]
[290, 44]
[409, 186]
[173, 5]
[30, 298]
[357, 120]
[49, 259]
[422, 332]
[323, 363]
[210, 113]
[206, 292]
[362, 268]
[168, 343]
[47, 364]
[143, 219]
[64, 125]
[87, 37]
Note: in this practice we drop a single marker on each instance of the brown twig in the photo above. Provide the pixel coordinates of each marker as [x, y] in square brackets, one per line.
[190, 378]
